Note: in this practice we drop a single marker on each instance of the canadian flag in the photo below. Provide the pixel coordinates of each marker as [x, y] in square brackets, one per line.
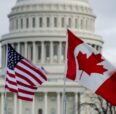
[89, 68]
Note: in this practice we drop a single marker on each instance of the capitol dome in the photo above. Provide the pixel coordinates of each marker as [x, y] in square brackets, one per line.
[37, 21]
[37, 30]
[85, 2]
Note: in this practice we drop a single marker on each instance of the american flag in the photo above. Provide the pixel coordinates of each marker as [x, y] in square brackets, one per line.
[22, 76]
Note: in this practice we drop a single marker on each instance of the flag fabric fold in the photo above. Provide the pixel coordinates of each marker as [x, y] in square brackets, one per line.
[89, 68]
[22, 77]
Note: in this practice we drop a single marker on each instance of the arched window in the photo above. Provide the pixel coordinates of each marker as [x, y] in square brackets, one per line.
[62, 22]
[55, 52]
[22, 49]
[10, 24]
[48, 22]
[33, 22]
[55, 22]
[13, 24]
[76, 23]
[40, 111]
[47, 51]
[69, 22]
[39, 51]
[30, 51]
[40, 22]
[81, 23]
[4, 55]
[16, 23]
[21, 23]
[63, 51]
[27, 23]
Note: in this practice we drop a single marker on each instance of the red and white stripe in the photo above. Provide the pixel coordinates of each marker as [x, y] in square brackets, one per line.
[28, 72]
[11, 82]
[24, 92]
[24, 79]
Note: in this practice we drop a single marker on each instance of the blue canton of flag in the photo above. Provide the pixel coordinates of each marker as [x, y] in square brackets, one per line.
[13, 58]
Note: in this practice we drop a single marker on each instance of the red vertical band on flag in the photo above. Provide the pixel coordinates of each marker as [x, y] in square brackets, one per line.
[108, 89]
[72, 43]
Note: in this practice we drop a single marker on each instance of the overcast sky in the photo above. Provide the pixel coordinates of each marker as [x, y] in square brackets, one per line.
[105, 23]
[105, 11]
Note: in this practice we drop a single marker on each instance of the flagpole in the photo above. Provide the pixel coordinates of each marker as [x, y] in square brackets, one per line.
[5, 93]
[64, 97]
[5, 103]
[64, 89]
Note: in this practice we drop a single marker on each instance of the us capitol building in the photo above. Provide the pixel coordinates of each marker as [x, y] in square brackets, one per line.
[37, 30]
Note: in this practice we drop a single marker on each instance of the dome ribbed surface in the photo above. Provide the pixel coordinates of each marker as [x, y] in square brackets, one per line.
[81, 2]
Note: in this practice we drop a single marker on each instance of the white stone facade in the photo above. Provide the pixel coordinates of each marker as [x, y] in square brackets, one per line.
[38, 32]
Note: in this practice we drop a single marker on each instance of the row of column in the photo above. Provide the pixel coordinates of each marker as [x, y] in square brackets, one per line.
[14, 102]
[33, 53]
[59, 111]
[83, 23]
[43, 51]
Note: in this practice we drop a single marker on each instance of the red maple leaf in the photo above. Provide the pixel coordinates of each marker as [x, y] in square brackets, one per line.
[90, 64]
